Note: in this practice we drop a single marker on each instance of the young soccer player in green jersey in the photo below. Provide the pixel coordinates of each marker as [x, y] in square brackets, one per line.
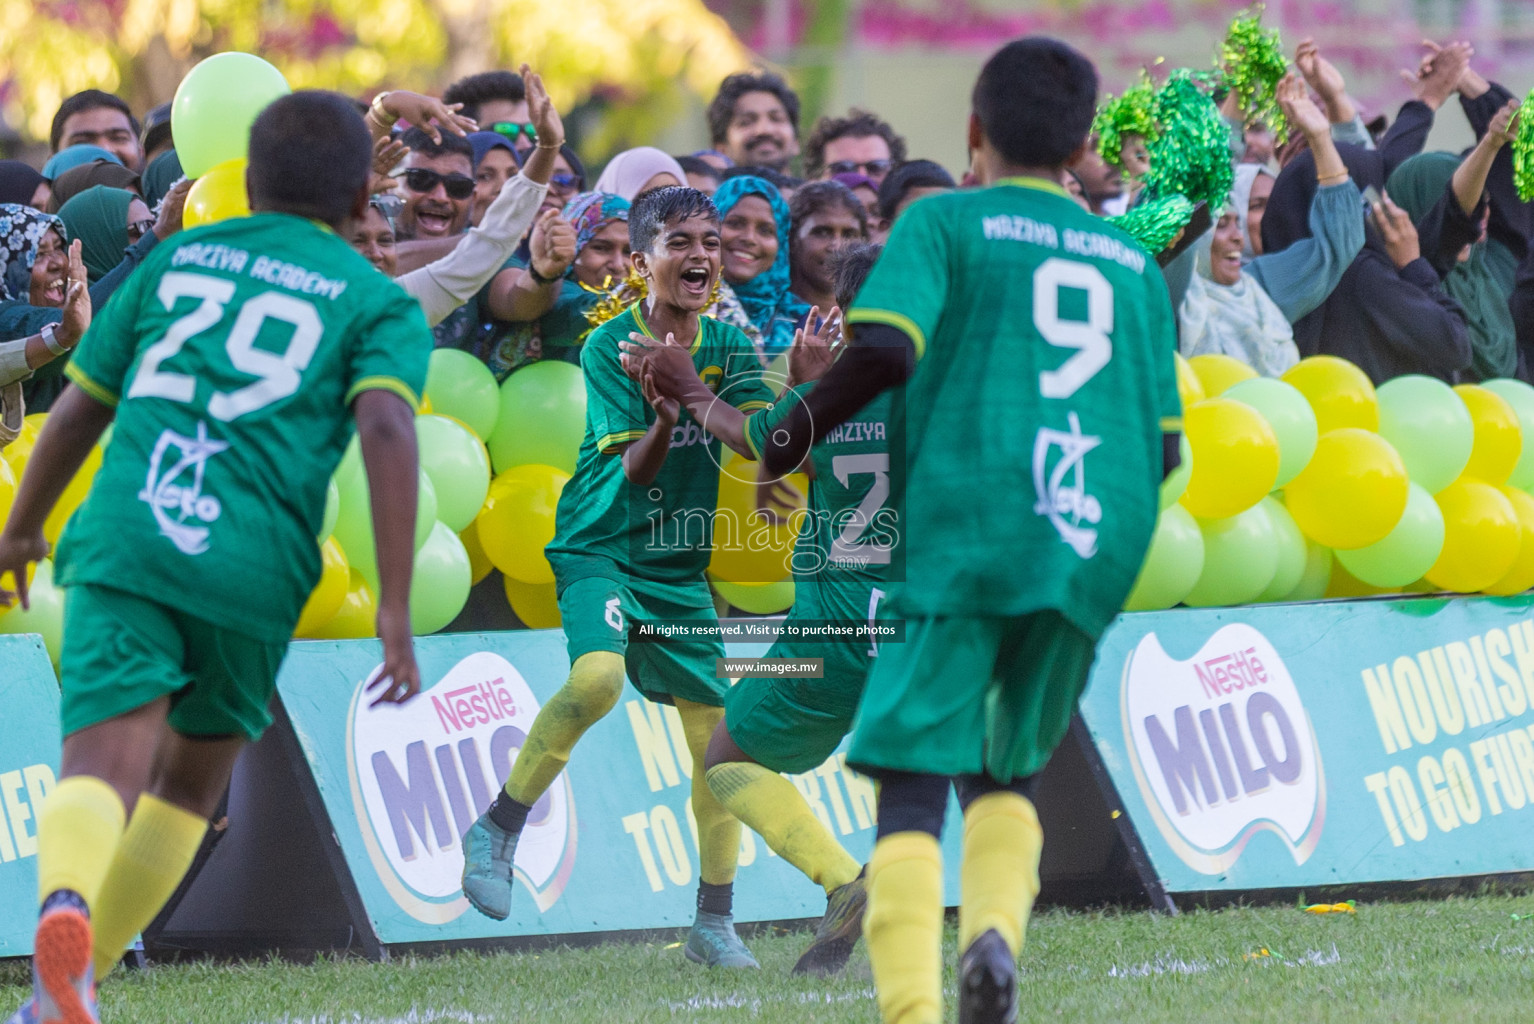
[778, 725]
[1035, 343]
[232, 365]
[634, 534]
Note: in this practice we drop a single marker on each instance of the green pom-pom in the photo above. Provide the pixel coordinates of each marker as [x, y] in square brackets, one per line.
[1523, 152]
[1156, 223]
[1192, 155]
[1129, 114]
[1254, 61]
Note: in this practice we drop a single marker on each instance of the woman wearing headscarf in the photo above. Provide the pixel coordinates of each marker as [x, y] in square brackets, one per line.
[21, 185]
[106, 221]
[163, 172]
[87, 176]
[601, 263]
[1249, 201]
[754, 295]
[44, 307]
[638, 170]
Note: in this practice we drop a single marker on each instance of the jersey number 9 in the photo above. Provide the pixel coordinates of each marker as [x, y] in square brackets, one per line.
[1090, 338]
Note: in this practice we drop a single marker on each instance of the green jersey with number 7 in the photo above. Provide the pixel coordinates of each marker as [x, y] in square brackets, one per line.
[1033, 442]
[233, 355]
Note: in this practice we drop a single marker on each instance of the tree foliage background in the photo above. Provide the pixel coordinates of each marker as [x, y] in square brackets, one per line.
[638, 54]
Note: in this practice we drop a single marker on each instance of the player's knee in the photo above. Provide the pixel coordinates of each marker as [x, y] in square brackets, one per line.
[912, 802]
[596, 682]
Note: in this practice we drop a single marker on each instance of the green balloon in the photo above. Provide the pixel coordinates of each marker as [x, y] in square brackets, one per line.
[1429, 425]
[455, 461]
[215, 105]
[460, 386]
[332, 509]
[1289, 414]
[1406, 552]
[45, 617]
[1240, 558]
[1176, 482]
[542, 418]
[440, 586]
[1290, 544]
[1317, 575]
[1172, 563]
[354, 521]
[1521, 397]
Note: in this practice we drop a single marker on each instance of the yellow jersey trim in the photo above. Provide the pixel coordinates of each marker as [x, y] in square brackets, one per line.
[697, 342]
[889, 318]
[83, 381]
[749, 442]
[606, 441]
[1041, 184]
[379, 382]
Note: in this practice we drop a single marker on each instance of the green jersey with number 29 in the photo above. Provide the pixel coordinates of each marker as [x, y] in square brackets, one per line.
[232, 356]
[1033, 420]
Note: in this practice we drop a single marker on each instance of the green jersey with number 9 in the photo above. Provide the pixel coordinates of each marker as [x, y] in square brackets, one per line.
[232, 356]
[1033, 420]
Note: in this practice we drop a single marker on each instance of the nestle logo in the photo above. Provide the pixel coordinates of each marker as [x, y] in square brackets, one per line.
[469, 706]
[1229, 673]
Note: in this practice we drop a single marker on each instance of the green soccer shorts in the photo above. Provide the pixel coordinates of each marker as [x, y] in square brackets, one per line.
[968, 695]
[122, 651]
[599, 613]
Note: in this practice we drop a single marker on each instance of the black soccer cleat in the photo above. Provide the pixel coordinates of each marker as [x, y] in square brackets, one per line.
[988, 982]
[839, 929]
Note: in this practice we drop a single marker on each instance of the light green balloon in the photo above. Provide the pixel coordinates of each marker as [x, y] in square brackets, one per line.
[1289, 414]
[1176, 482]
[1290, 544]
[462, 387]
[1521, 397]
[45, 617]
[1317, 575]
[332, 509]
[1406, 552]
[215, 105]
[455, 461]
[1240, 558]
[758, 600]
[1172, 564]
[1428, 424]
[542, 418]
[440, 585]
[354, 522]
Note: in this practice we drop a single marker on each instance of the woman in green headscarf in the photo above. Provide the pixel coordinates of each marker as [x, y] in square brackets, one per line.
[1444, 197]
[107, 221]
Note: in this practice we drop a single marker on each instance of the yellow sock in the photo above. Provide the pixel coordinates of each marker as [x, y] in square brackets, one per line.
[593, 689]
[904, 927]
[718, 829]
[151, 860]
[769, 803]
[78, 829]
[999, 877]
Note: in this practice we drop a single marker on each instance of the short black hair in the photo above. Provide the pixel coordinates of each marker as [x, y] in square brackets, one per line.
[1035, 100]
[777, 179]
[310, 155]
[419, 142]
[857, 124]
[722, 110]
[474, 90]
[849, 267]
[899, 183]
[818, 195]
[89, 99]
[654, 209]
[698, 165]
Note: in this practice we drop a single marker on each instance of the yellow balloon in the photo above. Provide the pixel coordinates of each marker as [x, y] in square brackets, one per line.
[329, 593]
[1340, 393]
[1521, 576]
[479, 562]
[1216, 372]
[425, 408]
[7, 490]
[217, 195]
[1235, 458]
[534, 603]
[757, 598]
[517, 521]
[1352, 492]
[1189, 390]
[1481, 539]
[357, 618]
[1498, 435]
[748, 546]
[18, 451]
[74, 494]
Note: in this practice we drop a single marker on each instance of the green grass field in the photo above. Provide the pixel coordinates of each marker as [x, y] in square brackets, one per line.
[1463, 959]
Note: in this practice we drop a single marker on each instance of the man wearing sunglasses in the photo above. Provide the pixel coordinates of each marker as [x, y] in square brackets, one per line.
[860, 143]
[437, 186]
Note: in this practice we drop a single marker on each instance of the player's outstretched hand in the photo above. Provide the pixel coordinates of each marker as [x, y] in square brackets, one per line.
[77, 300]
[812, 351]
[667, 410]
[169, 217]
[387, 153]
[541, 109]
[17, 553]
[428, 113]
[399, 678]
[1299, 109]
[666, 361]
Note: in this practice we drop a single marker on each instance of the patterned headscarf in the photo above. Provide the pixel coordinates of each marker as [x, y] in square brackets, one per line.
[21, 229]
[589, 213]
[771, 307]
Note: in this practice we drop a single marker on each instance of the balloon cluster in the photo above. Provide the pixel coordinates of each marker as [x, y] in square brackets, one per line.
[1317, 485]
[211, 114]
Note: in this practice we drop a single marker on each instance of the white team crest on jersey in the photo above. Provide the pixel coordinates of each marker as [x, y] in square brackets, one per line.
[173, 488]
[1068, 505]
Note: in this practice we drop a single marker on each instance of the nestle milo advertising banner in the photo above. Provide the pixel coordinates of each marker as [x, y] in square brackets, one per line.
[1318, 744]
[610, 847]
[29, 758]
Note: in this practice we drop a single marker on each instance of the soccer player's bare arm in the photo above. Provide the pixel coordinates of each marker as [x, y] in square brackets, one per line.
[643, 459]
[386, 430]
